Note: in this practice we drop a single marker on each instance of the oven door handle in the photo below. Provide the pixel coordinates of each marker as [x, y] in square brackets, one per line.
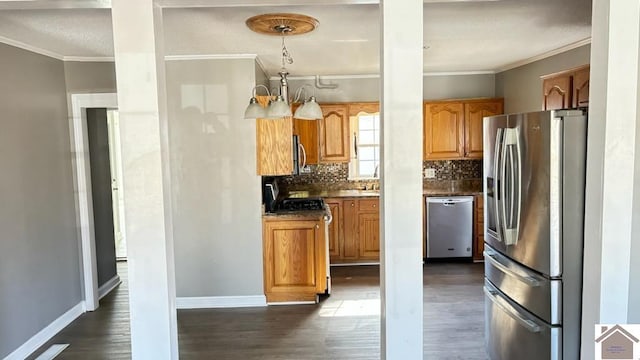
[328, 217]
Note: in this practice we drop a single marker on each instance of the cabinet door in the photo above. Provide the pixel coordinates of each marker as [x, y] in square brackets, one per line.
[334, 133]
[349, 248]
[294, 265]
[581, 88]
[443, 131]
[474, 112]
[335, 228]
[479, 228]
[369, 235]
[307, 131]
[274, 146]
[556, 93]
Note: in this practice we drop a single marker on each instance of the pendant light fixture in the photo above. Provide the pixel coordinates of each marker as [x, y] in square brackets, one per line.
[284, 25]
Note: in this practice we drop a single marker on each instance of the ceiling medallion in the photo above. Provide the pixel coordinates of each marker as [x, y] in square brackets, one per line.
[278, 107]
[282, 24]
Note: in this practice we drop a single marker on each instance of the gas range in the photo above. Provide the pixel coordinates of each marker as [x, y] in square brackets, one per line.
[301, 204]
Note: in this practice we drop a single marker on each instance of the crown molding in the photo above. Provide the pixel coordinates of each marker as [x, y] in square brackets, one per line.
[542, 56]
[459, 73]
[53, 4]
[209, 57]
[30, 48]
[89, 58]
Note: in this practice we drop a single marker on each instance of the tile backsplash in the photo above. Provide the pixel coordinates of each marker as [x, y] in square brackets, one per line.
[336, 175]
[455, 169]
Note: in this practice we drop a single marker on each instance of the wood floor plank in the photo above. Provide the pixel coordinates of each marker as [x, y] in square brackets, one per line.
[345, 325]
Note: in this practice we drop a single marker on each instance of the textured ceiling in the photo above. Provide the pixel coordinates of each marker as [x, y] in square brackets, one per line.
[461, 36]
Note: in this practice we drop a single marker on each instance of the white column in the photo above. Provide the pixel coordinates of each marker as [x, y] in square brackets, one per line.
[140, 75]
[612, 220]
[401, 180]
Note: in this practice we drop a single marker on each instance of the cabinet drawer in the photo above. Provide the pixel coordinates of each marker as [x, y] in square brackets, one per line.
[368, 205]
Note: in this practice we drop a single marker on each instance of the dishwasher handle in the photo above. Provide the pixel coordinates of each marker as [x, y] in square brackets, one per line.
[450, 201]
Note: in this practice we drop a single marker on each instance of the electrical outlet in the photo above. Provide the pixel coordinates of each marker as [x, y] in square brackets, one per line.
[429, 173]
[305, 169]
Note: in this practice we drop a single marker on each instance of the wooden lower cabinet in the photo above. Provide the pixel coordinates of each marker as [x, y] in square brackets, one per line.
[478, 228]
[349, 246]
[369, 236]
[294, 261]
[335, 227]
[359, 235]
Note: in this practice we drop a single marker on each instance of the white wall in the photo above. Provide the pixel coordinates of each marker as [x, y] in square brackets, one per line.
[216, 192]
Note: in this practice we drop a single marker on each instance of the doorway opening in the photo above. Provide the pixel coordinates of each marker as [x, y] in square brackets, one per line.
[97, 168]
[117, 195]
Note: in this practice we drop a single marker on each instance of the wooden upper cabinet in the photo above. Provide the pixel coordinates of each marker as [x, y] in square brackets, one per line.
[566, 89]
[334, 133]
[274, 144]
[443, 130]
[556, 92]
[364, 107]
[581, 87]
[307, 131]
[474, 112]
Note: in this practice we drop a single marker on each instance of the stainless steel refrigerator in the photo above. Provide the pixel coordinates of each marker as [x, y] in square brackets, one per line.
[534, 175]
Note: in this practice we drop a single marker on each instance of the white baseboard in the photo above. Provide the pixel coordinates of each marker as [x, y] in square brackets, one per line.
[46, 334]
[206, 302]
[108, 286]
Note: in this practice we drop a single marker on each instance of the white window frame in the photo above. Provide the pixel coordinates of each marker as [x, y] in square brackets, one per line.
[354, 173]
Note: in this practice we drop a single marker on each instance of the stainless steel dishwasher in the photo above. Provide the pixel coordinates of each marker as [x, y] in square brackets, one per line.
[449, 226]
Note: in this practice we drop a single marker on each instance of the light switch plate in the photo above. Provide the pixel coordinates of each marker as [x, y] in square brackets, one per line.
[429, 173]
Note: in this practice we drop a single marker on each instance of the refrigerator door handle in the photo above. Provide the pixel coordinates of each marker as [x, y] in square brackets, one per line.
[495, 297]
[518, 189]
[498, 185]
[511, 217]
[504, 229]
[525, 278]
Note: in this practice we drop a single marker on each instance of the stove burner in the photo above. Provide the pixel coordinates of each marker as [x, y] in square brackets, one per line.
[297, 204]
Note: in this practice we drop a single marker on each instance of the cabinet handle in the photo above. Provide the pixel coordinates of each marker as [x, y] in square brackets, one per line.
[353, 204]
[317, 226]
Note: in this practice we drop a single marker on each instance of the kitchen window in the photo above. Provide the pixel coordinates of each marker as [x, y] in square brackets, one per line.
[365, 137]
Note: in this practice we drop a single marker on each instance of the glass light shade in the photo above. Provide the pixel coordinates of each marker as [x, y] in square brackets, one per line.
[254, 110]
[278, 109]
[310, 110]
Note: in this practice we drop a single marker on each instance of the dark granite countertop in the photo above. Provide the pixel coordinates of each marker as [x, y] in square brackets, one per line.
[296, 215]
[430, 188]
[332, 193]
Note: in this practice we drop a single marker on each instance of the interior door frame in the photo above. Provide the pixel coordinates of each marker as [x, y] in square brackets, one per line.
[82, 178]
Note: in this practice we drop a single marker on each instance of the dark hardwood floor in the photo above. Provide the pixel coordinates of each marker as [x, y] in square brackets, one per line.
[345, 325]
